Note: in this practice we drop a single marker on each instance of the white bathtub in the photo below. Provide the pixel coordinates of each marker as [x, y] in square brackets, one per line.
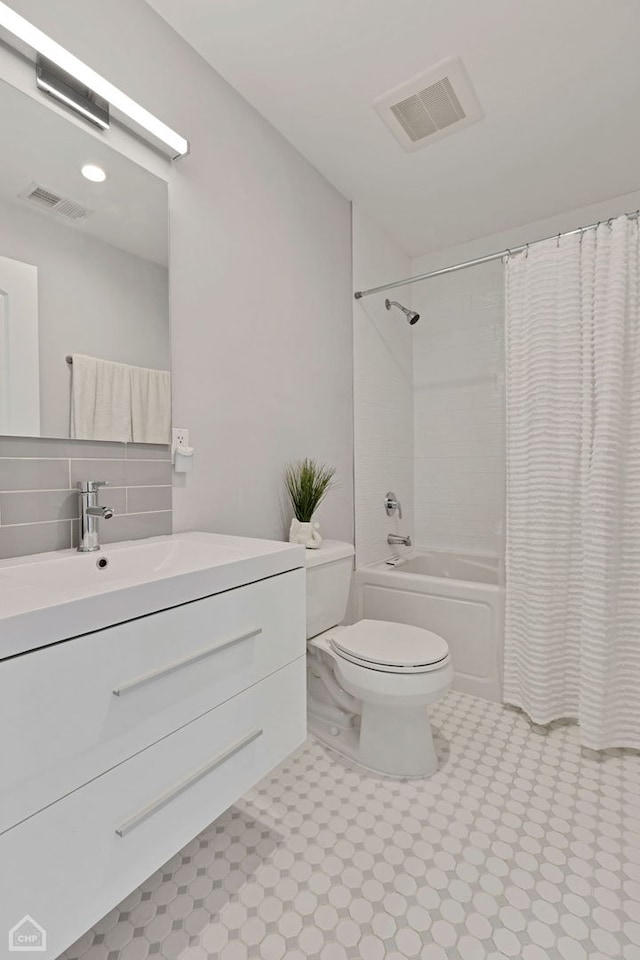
[457, 596]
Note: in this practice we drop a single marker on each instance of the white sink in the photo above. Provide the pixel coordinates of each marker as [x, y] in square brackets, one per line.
[50, 597]
[134, 561]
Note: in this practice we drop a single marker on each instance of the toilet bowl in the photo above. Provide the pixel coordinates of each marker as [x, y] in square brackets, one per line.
[370, 684]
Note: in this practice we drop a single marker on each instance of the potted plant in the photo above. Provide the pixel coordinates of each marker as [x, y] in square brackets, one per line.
[307, 482]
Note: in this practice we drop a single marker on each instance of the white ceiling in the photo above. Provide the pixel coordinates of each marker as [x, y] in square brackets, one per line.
[129, 210]
[559, 82]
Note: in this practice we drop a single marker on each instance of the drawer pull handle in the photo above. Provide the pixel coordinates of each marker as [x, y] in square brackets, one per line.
[177, 664]
[189, 781]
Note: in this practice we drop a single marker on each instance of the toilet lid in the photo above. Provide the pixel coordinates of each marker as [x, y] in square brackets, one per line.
[387, 644]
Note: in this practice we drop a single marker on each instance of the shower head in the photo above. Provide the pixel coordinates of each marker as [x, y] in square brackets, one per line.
[411, 315]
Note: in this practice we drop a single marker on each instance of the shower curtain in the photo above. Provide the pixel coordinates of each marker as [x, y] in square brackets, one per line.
[572, 621]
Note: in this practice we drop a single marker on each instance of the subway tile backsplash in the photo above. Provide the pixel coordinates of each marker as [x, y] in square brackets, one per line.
[39, 497]
[33, 474]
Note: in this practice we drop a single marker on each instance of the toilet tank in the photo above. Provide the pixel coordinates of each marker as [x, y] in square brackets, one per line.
[329, 572]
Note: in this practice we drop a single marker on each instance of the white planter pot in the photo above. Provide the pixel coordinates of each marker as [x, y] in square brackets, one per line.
[308, 534]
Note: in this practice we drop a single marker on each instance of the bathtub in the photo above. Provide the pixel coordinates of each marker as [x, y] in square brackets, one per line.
[455, 595]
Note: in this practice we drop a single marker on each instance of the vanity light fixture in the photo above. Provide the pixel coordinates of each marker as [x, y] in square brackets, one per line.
[63, 87]
[91, 171]
[131, 112]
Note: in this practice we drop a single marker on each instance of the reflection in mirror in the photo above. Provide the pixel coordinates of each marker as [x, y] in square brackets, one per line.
[84, 309]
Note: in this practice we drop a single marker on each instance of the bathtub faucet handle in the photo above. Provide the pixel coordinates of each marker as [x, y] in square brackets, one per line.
[391, 504]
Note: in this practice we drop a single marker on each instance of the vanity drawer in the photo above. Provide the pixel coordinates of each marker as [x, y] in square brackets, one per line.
[70, 864]
[71, 711]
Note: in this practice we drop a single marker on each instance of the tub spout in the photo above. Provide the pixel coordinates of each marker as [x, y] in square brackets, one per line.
[396, 538]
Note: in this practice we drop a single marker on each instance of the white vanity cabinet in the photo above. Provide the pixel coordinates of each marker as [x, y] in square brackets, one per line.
[119, 746]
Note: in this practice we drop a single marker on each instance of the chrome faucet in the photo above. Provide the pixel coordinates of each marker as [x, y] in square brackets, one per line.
[397, 538]
[90, 513]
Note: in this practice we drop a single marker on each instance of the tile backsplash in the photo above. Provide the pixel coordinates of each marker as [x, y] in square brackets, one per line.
[39, 503]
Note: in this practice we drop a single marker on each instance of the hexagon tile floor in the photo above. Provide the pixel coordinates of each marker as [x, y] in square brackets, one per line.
[521, 845]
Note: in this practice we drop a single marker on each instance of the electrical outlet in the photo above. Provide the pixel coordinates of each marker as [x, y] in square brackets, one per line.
[179, 437]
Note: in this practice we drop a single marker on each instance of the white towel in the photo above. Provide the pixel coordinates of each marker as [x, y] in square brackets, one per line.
[100, 400]
[150, 405]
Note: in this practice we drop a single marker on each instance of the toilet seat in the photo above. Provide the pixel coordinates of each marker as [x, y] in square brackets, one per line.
[390, 647]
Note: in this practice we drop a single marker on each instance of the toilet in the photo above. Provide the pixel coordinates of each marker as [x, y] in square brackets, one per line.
[369, 684]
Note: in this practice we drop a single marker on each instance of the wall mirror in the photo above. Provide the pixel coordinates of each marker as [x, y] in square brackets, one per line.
[84, 308]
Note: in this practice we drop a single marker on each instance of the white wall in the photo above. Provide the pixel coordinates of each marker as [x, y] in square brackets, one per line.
[526, 233]
[92, 298]
[458, 365]
[383, 393]
[260, 278]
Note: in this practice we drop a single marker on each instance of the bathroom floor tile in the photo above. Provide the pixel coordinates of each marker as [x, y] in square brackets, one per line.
[521, 845]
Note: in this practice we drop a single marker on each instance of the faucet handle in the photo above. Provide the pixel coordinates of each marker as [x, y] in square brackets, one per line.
[90, 486]
[391, 504]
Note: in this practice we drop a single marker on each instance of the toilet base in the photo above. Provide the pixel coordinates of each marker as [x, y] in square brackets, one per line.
[378, 719]
[397, 740]
[347, 741]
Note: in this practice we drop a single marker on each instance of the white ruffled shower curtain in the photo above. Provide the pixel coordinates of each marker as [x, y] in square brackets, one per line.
[572, 624]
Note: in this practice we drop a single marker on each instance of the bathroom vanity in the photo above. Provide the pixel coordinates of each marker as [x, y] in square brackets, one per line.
[138, 700]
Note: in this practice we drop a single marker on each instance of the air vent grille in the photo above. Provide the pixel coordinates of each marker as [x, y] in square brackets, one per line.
[430, 105]
[61, 206]
[430, 110]
[44, 197]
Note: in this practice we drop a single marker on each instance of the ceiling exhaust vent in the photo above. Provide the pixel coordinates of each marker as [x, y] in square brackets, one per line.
[430, 106]
[62, 207]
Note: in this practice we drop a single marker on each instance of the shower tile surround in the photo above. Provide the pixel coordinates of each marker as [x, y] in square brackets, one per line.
[39, 502]
[428, 403]
[383, 394]
[521, 845]
[459, 415]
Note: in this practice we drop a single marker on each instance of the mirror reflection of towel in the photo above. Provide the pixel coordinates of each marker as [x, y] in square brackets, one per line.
[150, 405]
[100, 399]
[117, 401]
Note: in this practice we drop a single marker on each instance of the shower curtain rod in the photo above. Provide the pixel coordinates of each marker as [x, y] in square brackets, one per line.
[478, 260]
